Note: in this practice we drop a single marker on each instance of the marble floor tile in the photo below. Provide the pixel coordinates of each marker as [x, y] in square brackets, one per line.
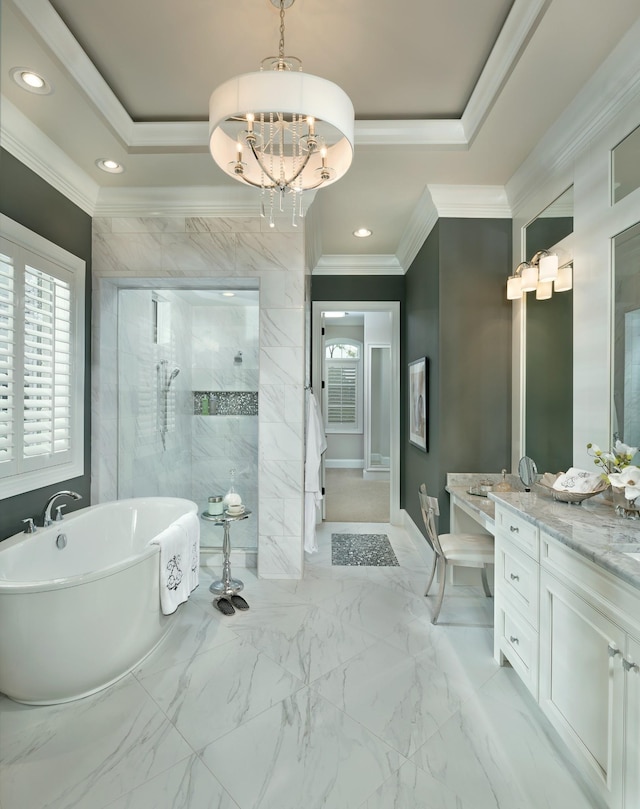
[411, 788]
[332, 692]
[218, 690]
[197, 631]
[186, 785]
[304, 752]
[84, 754]
[306, 640]
[402, 699]
[376, 609]
[497, 753]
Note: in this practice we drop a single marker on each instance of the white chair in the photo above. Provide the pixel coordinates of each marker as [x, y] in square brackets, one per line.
[463, 550]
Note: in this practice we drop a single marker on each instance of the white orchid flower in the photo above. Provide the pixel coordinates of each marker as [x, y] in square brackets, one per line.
[625, 449]
[629, 480]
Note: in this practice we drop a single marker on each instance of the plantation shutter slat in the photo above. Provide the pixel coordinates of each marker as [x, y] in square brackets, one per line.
[47, 364]
[7, 353]
[342, 394]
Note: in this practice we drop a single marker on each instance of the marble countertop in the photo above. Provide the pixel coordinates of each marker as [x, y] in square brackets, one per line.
[482, 505]
[592, 529]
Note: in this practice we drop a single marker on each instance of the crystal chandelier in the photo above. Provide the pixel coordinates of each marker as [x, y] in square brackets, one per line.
[281, 130]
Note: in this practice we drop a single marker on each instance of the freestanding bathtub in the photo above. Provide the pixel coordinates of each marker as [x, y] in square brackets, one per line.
[75, 619]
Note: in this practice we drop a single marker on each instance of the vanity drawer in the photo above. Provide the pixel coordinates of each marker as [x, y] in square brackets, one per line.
[517, 578]
[518, 642]
[522, 533]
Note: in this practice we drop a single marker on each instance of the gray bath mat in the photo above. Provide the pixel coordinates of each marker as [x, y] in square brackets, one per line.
[362, 549]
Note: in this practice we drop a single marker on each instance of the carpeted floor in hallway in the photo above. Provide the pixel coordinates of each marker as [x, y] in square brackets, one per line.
[349, 498]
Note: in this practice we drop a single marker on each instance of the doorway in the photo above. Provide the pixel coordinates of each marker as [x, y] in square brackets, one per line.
[356, 379]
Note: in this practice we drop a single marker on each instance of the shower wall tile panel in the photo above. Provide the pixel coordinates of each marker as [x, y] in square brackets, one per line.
[132, 251]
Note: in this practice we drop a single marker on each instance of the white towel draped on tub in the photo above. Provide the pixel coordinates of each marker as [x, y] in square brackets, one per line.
[316, 444]
[179, 561]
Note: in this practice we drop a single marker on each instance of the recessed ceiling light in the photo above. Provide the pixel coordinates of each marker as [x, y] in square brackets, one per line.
[362, 233]
[106, 164]
[335, 314]
[31, 81]
[229, 294]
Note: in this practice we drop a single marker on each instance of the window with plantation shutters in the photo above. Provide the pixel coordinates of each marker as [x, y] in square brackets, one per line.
[41, 361]
[343, 387]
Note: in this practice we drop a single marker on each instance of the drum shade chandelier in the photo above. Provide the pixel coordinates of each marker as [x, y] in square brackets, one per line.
[281, 130]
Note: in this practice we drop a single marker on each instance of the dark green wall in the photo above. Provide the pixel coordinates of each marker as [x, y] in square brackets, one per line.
[29, 200]
[549, 382]
[357, 288]
[456, 314]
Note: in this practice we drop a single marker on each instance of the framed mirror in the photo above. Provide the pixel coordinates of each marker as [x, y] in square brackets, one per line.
[551, 225]
[548, 351]
[626, 336]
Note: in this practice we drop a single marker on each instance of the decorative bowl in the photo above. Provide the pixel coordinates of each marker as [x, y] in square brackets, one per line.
[546, 484]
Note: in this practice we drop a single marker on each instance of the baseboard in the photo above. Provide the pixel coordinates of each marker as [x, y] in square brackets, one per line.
[344, 463]
[376, 474]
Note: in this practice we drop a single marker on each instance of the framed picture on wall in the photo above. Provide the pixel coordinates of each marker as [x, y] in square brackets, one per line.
[418, 389]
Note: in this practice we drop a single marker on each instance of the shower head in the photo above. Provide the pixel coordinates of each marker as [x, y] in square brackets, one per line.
[173, 375]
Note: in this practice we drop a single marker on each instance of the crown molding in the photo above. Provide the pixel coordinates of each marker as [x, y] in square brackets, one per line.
[519, 27]
[470, 201]
[219, 201]
[614, 86]
[358, 265]
[419, 226]
[28, 144]
[454, 133]
[45, 20]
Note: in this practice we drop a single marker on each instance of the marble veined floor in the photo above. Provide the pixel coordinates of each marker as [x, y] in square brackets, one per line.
[334, 692]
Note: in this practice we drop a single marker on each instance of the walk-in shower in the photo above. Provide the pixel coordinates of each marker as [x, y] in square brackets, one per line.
[176, 355]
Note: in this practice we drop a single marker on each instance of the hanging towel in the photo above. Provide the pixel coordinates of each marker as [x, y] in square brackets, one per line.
[191, 524]
[177, 557]
[316, 444]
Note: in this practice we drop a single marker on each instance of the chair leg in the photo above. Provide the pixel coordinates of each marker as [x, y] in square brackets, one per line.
[485, 583]
[443, 578]
[433, 573]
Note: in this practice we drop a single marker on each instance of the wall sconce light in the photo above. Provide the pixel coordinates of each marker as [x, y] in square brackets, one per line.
[564, 281]
[541, 275]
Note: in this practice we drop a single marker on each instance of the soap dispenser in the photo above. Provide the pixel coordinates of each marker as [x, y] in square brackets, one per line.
[504, 485]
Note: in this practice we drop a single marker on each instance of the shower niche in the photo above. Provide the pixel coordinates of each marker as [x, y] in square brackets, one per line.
[187, 398]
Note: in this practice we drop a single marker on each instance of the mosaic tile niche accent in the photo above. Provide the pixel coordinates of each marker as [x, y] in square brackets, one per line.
[225, 403]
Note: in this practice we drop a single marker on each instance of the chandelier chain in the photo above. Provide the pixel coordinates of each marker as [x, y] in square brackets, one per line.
[281, 45]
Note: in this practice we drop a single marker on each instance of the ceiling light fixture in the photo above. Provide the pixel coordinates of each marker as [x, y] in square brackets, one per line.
[31, 81]
[111, 166]
[228, 294]
[279, 129]
[541, 275]
[362, 233]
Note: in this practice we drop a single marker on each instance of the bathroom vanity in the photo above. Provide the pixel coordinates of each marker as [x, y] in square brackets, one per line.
[567, 618]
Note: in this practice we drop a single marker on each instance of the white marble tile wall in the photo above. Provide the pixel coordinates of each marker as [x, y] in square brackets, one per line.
[139, 252]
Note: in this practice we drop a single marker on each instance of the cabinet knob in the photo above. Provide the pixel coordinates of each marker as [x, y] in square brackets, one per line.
[514, 529]
[613, 650]
[513, 639]
[627, 665]
[514, 577]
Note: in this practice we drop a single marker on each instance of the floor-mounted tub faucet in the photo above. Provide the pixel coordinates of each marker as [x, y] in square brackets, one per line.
[47, 509]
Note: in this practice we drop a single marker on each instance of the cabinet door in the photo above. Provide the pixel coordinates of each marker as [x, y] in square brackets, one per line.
[582, 683]
[632, 726]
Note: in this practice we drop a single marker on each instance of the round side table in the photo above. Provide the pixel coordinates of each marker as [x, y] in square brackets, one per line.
[226, 586]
